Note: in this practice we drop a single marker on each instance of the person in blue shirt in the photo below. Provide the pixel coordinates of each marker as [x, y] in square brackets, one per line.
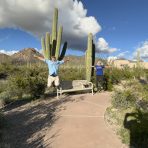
[53, 67]
[99, 68]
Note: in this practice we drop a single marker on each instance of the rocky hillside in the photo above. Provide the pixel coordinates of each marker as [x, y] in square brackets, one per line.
[4, 58]
[25, 55]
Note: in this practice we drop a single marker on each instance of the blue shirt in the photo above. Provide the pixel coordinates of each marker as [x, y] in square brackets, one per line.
[53, 66]
[99, 70]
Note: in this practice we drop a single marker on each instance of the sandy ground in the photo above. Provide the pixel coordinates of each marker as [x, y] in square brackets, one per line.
[75, 121]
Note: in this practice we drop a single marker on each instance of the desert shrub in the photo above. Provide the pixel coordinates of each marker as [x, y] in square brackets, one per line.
[124, 99]
[36, 83]
[3, 85]
[5, 97]
[7, 69]
[72, 73]
[138, 88]
[127, 73]
[131, 101]
[28, 81]
[146, 74]
[112, 76]
[138, 72]
[17, 84]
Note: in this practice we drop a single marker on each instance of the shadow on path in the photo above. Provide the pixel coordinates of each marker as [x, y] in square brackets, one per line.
[28, 123]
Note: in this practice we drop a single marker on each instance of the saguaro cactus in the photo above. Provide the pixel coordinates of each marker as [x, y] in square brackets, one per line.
[90, 57]
[51, 43]
[138, 59]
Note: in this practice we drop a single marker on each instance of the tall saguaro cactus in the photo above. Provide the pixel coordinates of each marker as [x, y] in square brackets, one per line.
[90, 57]
[51, 43]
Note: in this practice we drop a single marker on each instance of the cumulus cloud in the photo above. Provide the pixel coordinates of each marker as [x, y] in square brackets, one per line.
[111, 58]
[11, 52]
[122, 54]
[143, 49]
[35, 17]
[103, 46]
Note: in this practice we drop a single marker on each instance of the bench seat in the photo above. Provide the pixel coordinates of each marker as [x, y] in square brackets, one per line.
[73, 86]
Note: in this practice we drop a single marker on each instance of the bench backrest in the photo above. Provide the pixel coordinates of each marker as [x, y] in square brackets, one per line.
[73, 84]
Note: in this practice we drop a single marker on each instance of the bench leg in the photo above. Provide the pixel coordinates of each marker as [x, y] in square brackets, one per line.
[57, 94]
[92, 92]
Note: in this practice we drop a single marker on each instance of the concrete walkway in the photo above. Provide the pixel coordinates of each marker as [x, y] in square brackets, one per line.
[81, 124]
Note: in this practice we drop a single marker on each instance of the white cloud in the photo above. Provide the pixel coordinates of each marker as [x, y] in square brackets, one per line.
[118, 56]
[123, 54]
[35, 17]
[8, 52]
[103, 46]
[143, 49]
[112, 58]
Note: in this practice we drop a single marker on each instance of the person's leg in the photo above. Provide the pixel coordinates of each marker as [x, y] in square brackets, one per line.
[57, 82]
[102, 81]
[50, 81]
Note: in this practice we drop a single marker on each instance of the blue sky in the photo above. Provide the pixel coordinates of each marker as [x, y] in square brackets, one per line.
[123, 22]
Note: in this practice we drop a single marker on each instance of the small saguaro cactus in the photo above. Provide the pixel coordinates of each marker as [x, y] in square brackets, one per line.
[51, 43]
[90, 57]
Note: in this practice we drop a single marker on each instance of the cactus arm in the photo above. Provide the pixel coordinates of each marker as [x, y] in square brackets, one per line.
[93, 58]
[58, 45]
[43, 47]
[48, 45]
[54, 25]
[54, 47]
[63, 51]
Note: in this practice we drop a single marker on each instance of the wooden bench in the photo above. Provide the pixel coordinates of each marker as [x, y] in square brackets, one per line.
[75, 85]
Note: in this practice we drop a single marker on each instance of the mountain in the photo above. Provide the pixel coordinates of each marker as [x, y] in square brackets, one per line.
[25, 55]
[4, 58]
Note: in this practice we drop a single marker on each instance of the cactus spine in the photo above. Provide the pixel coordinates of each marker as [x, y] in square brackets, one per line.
[51, 43]
[90, 57]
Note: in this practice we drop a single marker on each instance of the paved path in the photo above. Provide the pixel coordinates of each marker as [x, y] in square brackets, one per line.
[81, 124]
[76, 121]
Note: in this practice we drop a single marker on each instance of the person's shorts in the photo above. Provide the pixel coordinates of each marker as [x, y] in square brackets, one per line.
[54, 80]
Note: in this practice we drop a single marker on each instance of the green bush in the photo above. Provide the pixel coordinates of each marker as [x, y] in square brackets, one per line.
[72, 73]
[124, 99]
[3, 85]
[7, 69]
[5, 97]
[30, 81]
[35, 83]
